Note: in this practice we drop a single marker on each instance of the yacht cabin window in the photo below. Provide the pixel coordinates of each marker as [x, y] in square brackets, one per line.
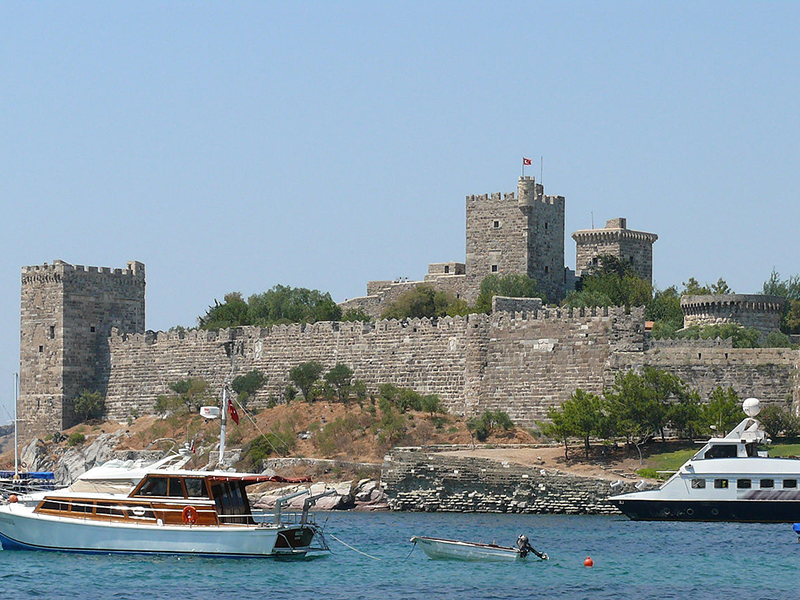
[743, 484]
[790, 483]
[698, 483]
[154, 486]
[767, 483]
[196, 487]
[721, 451]
[720, 484]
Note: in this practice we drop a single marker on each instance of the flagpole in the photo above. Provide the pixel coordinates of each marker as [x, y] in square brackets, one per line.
[523, 168]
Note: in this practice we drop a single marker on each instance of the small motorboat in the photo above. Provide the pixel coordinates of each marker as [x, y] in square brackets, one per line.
[455, 549]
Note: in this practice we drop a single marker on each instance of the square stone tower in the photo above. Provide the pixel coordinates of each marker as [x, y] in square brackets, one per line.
[522, 234]
[635, 247]
[67, 313]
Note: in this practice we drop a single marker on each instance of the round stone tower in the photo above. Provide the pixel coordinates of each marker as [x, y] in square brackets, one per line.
[748, 310]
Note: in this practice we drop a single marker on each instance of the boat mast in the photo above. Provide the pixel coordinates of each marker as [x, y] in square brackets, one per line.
[16, 439]
[224, 420]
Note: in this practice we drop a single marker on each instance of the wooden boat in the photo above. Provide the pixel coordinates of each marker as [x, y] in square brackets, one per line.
[459, 550]
[162, 509]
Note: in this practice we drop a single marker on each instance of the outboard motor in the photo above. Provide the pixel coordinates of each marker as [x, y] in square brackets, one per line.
[524, 546]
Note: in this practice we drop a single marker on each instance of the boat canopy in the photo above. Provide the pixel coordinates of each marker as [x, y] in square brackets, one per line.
[27, 475]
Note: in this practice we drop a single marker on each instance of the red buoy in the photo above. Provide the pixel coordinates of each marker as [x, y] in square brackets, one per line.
[588, 562]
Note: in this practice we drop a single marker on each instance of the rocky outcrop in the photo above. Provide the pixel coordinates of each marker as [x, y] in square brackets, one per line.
[364, 495]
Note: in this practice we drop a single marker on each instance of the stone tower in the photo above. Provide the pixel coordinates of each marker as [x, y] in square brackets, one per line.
[635, 247]
[67, 313]
[522, 234]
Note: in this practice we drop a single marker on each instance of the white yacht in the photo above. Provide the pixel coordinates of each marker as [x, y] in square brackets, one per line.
[729, 479]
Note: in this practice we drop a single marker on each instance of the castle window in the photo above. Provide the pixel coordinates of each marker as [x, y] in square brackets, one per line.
[496, 224]
[546, 270]
[447, 269]
[52, 332]
[545, 226]
[494, 268]
[92, 329]
[595, 260]
[41, 348]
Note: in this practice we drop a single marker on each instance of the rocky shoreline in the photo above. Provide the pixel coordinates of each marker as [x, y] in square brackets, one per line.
[411, 479]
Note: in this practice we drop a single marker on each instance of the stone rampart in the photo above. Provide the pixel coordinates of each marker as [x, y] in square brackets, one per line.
[768, 374]
[519, 363]
[416, 479]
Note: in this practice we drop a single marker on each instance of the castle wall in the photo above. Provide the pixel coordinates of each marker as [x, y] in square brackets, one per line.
[521, 364]
[768, 374]
[420, 354]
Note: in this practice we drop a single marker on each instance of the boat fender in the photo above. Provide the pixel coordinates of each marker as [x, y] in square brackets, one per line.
[189, 515]
[13, 498]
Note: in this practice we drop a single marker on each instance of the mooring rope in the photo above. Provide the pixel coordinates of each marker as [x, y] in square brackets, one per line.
[351, 547]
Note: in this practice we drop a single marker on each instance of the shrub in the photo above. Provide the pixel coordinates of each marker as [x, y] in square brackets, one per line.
[247, 385]
[75, 438]
[89, 405]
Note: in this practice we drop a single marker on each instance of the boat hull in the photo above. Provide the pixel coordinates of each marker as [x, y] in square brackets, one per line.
[744, 511]
[452, 549]
[21, 529]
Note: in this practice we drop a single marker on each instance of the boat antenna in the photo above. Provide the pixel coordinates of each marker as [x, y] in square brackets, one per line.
[16, 439]
[225, 403]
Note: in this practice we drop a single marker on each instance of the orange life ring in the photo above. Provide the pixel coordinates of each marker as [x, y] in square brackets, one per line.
[189, 515]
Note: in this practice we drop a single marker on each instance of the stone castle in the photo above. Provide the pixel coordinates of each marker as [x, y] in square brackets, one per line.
[84, 329]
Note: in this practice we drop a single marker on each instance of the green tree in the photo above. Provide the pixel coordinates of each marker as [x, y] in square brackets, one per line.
[585, 416]
[305, 375]
[89, 405]
[356, 314]
[190, 394]
[422, 301]
[513, 285]
[693, 288]
[247, 385]
[340, 377]
[231, 313]
[790, 290]
[557, 428]
[723, 411]
[777, 420]
[281, 304]
[686, 416]
[612, 282]
[665, 311]
[431, 404]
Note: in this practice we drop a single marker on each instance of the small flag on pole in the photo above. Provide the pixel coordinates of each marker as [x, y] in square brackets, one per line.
[526, 161]
[234, 413]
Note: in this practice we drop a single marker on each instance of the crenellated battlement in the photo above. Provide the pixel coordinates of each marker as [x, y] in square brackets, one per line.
[53, 272]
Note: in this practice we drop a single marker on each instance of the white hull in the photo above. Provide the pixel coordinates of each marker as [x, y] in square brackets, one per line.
[441, 548]
[19, 527]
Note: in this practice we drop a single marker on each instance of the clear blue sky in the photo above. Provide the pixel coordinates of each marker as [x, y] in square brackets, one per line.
[232, 146]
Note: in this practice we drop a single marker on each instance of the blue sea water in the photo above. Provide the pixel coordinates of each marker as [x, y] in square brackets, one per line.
[685, 561]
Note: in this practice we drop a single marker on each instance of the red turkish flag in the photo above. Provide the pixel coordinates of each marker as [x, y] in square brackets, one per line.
[234, 414]
[526, 161]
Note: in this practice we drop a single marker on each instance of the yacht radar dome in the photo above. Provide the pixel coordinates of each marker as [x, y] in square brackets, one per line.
[751, 407]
